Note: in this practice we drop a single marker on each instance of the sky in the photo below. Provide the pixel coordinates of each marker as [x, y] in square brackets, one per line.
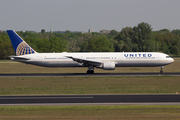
[80, 15]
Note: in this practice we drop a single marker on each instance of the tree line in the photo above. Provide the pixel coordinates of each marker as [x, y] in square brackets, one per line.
[139, 38]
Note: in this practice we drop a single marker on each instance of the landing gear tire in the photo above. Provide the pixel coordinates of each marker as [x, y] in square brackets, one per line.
[90, 72]
[161, 71]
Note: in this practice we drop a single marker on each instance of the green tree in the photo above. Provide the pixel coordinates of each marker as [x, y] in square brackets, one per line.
[164, 48]
[68, 31]
[164, 30]
[124, 39]
[43, 45]
[73, 45]
[177, 32]
[125, 48]
[113, 32]
[135, 35]
[43, 31]
[57, 44]
[100, 44]
[144, 35]
[174, 50]
[169, 38]
[6, 48]
[159, 37]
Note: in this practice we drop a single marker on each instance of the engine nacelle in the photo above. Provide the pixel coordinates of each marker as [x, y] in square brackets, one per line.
[108, 66]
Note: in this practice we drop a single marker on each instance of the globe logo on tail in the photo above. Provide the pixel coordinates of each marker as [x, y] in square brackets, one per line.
[24, 49]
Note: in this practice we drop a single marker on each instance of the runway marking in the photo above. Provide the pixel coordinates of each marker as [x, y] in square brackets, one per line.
[48, 98]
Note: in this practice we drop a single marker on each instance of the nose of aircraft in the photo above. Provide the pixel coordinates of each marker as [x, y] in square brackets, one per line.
[170, 60]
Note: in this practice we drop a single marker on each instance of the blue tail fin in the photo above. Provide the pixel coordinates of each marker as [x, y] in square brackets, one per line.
[20, 46]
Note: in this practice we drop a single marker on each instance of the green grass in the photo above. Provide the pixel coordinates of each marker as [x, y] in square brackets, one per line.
[16, 67]
[127, 112]
[89, 85]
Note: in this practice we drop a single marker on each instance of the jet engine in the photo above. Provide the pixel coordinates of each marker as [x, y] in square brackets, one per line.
[108, 66]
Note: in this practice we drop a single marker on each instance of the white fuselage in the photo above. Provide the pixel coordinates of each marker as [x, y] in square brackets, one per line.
[120, 59]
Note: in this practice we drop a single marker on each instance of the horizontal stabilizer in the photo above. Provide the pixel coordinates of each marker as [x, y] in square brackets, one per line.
[18, 58]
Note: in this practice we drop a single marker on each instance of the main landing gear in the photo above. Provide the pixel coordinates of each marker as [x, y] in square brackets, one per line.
[161, 71]
[90, 70]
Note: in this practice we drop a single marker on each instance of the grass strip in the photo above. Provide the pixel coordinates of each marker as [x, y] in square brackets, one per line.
[89, 85]
[135, 112]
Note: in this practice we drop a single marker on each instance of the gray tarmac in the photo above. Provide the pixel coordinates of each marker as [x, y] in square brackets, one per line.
[86, 75]
[78, 100]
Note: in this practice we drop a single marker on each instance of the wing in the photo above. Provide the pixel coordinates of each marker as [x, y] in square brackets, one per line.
[85, 61]
[18, 58]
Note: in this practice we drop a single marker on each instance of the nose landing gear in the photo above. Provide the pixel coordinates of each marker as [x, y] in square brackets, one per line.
[161, 71]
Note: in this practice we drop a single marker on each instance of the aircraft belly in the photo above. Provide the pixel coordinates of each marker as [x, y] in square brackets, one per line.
[56, 64]
[141, 63]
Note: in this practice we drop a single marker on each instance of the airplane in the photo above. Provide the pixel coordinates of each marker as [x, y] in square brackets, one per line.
[102, 60]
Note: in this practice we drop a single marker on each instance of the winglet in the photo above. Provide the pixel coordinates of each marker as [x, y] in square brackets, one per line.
[20, 46]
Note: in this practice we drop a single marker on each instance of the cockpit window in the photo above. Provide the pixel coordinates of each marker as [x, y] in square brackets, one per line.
[168, 57]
